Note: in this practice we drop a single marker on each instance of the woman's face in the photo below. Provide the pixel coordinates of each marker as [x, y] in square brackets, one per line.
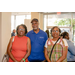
[55, 32]
[21, 31]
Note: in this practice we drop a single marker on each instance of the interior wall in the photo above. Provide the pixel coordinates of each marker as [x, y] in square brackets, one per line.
[39, 16]
[35, 15]
[5, 31]
[0, 36]
[41, 21]
[28, 24]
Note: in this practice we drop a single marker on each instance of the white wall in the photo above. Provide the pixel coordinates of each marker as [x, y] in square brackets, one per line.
[28, 24]
[5, 32]
[39, 16]
[0, 36]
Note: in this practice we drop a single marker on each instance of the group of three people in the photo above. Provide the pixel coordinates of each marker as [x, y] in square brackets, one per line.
[35, 46]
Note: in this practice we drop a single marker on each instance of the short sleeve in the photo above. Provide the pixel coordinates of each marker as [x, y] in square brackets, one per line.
[45, 44]
[65, 42]
[46, 37]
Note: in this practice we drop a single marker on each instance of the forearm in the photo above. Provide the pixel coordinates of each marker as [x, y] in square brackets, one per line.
[46, 54]
[47, 58]
[64, 54]
[26, 56]
[61, 59]
[9, 48]
[12, 57]
[28, 49]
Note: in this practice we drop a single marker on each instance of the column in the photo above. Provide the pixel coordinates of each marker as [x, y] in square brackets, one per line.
[35, 15]
[39, 16]
[5, 32]
[41, 21]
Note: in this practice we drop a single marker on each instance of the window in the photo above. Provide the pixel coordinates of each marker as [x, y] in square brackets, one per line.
[66, 22]
[19, 19]
[12, 23]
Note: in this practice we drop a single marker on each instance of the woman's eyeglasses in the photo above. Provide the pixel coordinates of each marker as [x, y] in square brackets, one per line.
[55, 31]
[21, 29]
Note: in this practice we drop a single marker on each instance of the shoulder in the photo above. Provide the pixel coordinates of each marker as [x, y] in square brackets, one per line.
[30, 32]
[49, 40]
[12, 38]
[26, 37]
[65, 42]
[69, 42]
[63, 39]
[44, 33]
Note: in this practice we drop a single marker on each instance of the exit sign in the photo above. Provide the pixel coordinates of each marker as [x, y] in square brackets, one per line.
[58, 13]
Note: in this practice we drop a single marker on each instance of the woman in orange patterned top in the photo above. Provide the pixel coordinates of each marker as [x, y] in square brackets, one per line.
[19, 46]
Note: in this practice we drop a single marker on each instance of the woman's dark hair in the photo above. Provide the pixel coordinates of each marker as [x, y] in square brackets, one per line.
[55, 27]
[24, 26]
[64, 34]
[47, 31]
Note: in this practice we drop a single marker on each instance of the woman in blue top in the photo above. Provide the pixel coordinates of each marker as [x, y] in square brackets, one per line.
[71, 47]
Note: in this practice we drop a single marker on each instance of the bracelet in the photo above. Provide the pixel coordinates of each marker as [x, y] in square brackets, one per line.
[23, 59]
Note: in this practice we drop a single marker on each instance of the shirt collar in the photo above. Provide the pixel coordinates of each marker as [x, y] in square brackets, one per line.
[38, 32]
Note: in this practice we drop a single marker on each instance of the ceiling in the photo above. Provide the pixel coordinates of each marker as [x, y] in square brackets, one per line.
[59, 15]
[21, 13]
[50, 14]
[58, 12]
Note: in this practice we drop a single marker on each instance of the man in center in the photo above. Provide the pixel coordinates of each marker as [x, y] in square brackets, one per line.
[38, 38]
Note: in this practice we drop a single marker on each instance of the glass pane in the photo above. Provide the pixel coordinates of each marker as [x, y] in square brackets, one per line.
[45, 22]
[73, 22]
[28, 16]
[20, 20]
[12, 23]
[62, 20]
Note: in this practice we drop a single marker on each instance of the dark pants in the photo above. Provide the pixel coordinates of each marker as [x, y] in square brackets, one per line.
[70, 61]
[35, 61]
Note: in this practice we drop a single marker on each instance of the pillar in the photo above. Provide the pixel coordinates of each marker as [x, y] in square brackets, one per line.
[35, 15]
[5, 32]
[41, 21]
[39, 16]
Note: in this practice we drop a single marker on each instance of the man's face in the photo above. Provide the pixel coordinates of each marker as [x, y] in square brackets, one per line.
[14, 31]
[35, 25]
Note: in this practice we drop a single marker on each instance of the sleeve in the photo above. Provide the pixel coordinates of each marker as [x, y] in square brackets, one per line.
[65, 42]
[46, 37]
[45, 44]
[27, 35]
